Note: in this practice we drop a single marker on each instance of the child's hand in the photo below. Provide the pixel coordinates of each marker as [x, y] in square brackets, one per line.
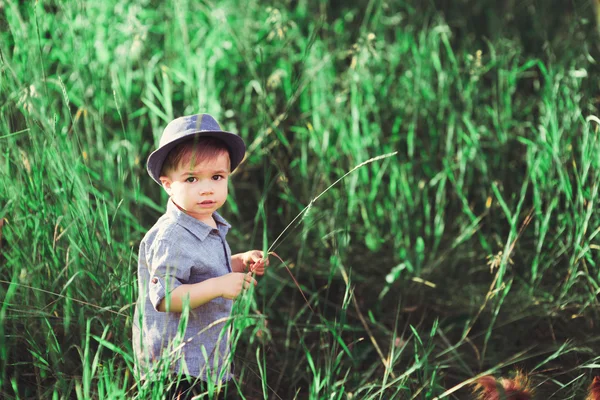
[233, 283]
[253, 262]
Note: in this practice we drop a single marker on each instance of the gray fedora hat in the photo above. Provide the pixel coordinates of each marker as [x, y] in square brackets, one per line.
[187, 127]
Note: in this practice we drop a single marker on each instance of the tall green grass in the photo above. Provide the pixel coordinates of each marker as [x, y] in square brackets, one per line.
[472, 251]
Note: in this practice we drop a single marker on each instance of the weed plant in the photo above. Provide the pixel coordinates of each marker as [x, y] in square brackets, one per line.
[472, 250]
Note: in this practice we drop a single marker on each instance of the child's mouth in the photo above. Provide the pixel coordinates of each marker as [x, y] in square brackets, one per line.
[207, 203]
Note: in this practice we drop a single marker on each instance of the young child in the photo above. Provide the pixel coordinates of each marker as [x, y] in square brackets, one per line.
[185, 257]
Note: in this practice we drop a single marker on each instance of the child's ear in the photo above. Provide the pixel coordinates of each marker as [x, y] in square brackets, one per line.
[166, 184]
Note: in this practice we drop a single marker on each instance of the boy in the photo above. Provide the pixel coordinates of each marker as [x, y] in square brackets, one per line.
[184, 257]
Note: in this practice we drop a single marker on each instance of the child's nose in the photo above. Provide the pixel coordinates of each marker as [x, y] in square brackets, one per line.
[206, 189]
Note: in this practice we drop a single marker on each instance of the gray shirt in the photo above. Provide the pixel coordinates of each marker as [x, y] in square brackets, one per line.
[178, 250]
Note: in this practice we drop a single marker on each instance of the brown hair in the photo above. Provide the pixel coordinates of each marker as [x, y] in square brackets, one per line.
[192, 152]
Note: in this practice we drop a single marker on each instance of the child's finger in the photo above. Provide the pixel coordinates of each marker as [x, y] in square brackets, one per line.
[250, 279]
[247, 281]
[259, 265]
[258, 271]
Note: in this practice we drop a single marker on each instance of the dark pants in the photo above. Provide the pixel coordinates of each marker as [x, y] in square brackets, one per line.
[188, 387]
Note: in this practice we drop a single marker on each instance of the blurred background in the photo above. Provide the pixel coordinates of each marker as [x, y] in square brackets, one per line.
[472, 250]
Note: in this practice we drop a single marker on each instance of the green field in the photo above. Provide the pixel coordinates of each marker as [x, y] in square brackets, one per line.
[472, 250]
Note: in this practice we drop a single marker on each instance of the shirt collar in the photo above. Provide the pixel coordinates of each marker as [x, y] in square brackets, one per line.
[197, 228]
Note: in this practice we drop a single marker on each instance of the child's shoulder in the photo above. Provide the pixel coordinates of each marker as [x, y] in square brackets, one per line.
[164, 229]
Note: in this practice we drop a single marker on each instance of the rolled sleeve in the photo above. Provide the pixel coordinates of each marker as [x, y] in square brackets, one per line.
[169, 268]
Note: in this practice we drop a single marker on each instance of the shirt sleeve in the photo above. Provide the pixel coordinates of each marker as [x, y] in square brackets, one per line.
[169, 267]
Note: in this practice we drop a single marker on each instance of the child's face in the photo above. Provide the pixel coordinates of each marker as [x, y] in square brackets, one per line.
[200, 189]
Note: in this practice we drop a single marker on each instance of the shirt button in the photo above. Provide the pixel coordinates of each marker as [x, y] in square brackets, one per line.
[154, 280]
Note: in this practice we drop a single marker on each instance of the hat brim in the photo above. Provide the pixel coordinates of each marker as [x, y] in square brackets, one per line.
[234, 143]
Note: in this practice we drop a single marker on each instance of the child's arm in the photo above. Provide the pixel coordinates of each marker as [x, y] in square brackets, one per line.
[228, 286]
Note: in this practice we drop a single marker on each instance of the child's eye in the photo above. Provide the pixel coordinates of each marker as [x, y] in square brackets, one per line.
[217, 177]
[191, 179]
